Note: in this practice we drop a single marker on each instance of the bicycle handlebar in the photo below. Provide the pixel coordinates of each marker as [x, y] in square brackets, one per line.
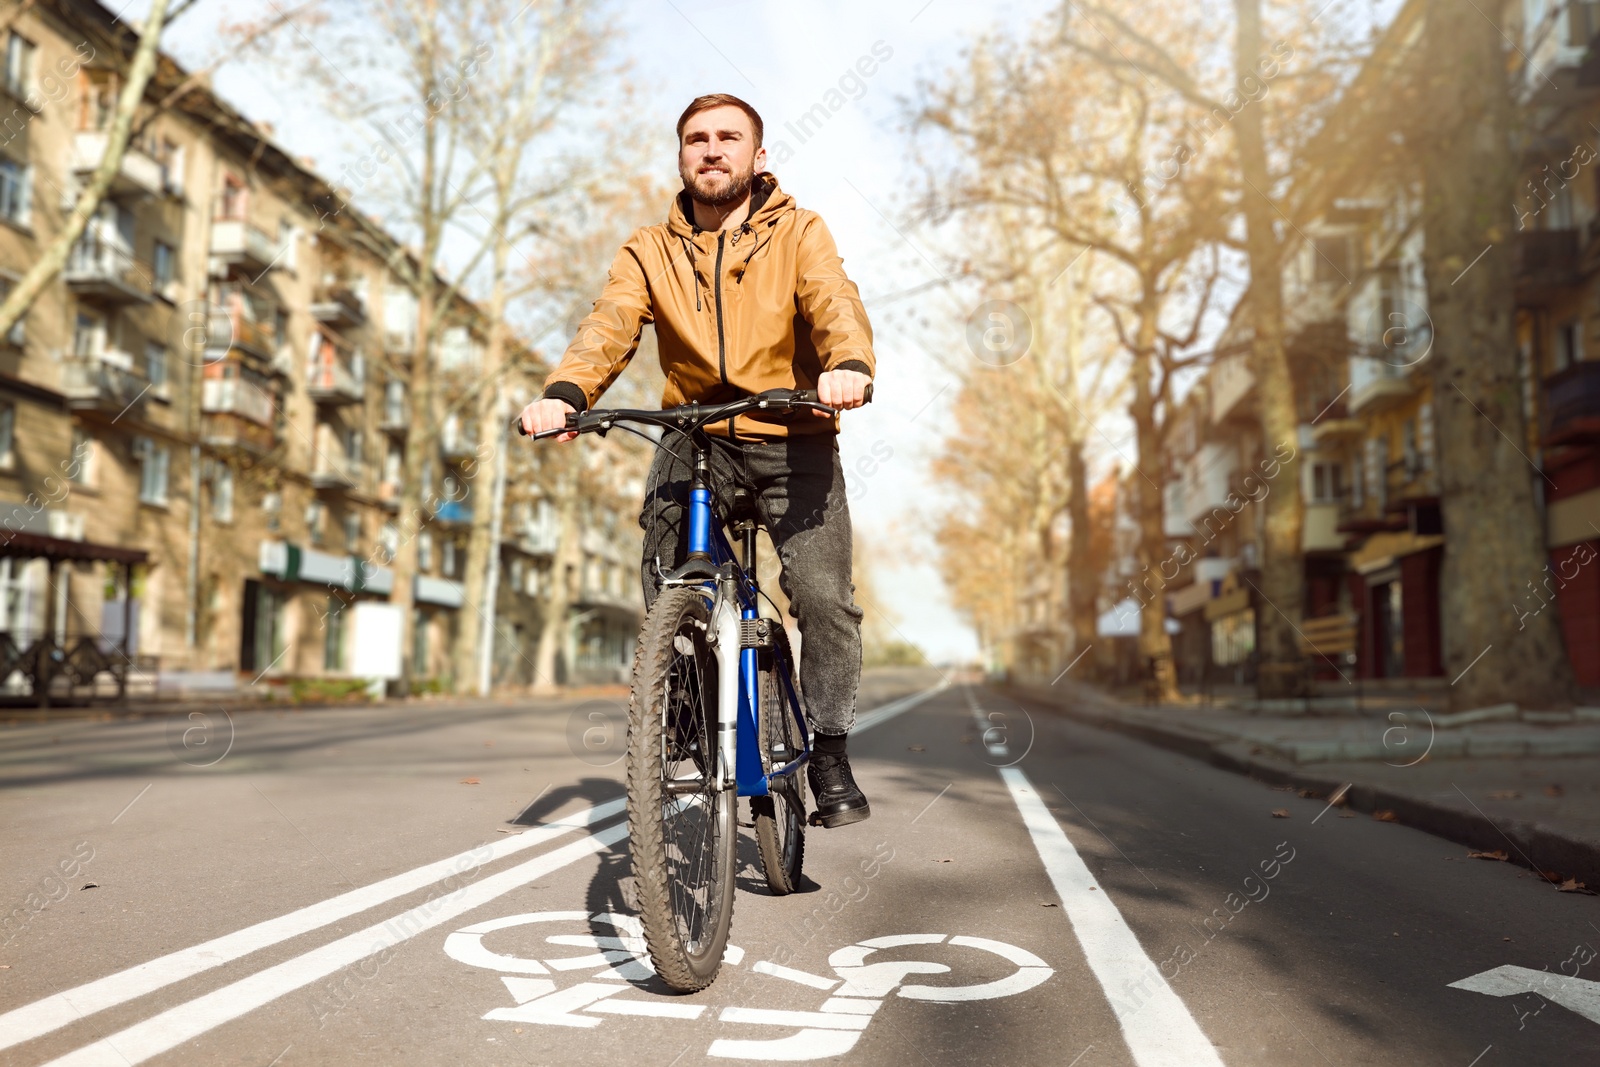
[687, 416]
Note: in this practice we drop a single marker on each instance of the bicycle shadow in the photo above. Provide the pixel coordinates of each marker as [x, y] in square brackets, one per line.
[592, 791]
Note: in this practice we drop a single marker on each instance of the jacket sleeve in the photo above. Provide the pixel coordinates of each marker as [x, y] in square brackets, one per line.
[608, 335]
[830, 301]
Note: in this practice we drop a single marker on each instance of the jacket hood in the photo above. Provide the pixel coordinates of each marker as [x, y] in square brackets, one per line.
[767, 202]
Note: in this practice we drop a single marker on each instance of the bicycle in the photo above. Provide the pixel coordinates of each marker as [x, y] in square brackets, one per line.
[714, 714]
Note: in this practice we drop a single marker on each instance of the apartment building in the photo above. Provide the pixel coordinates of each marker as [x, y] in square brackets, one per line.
[210, 400]
[1359, 339]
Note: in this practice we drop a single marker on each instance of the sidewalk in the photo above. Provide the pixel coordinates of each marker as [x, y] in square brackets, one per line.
[1526, 784]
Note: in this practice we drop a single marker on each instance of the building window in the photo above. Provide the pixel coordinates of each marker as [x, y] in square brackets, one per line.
[333, 640]
[162, 263]
[316, 521]
[8, 435]
[19, 65]
[448, 567]
[232, 204]
[155, 368]
[1569, 345]
[80, 466]
[1331, 259]
[517, 567]
[424, 552]
[222, 493]
[272, 508]
[286, 242]
[18, 334]
[394, 402]
[16, 198]
[88, 335]
[1327, 483]
[171, 159]
[352, 533]
[154, 472]
[389, 538]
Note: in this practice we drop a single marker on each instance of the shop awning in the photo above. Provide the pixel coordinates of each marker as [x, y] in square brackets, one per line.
[39, 546]
[1382, 549]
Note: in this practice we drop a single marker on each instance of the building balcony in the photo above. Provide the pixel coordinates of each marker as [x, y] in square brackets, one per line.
[331, 382]
[454, 513]
[389, 494]
[1369, 516]
[1544, 262]
[238, 414]
[332, 469]
[458, 442]
[395, 419]
[332, 466]
[1377, 385]
[107, 274]
[137, 175]
[235, 396]
[1572, 405]
[229, 329]
[338, 305]
[105, 382]
[235, 244]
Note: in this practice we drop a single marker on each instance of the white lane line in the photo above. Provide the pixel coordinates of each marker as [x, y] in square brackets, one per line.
[1157, 1025]
[53, 1012]
[171, 1028]
[778, 970]
[879, 716]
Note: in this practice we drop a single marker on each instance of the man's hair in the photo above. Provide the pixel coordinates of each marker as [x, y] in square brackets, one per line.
[711, 100]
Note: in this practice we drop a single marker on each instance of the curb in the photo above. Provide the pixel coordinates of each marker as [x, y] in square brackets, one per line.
[1569, 856]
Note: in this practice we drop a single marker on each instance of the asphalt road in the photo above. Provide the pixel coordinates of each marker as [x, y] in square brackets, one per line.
[337, 887]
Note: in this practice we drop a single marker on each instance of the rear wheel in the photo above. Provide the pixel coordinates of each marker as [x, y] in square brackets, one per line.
[780, 817]
[681, 823]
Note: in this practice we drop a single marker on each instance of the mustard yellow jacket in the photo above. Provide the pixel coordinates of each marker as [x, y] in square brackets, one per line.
[763, 306]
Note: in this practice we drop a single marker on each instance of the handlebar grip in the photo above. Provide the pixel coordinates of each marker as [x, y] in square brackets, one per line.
[809, 396]
[516, 422]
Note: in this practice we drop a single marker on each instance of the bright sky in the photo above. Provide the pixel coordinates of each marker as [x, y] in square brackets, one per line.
[783, 60]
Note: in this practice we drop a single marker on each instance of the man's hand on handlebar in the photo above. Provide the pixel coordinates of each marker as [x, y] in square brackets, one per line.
[841, 390]
[543, 415]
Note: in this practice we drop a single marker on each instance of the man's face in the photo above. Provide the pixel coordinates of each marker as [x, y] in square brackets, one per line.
[718, 158]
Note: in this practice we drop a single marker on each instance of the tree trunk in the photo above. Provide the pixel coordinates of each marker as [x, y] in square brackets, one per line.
[1496, 535]
[481, 539]
[1282, 568]
[558, 591]
[1081, 584]
[50, 260]
[1155, 644]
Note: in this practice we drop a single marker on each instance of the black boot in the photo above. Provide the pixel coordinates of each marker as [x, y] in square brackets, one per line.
[839, 800]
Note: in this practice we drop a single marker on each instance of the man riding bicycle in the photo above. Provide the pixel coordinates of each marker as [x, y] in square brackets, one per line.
[747, 292]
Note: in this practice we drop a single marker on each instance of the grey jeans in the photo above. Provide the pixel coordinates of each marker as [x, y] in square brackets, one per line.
[798, 486]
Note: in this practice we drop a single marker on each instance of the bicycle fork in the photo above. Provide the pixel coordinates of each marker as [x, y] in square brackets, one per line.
[725, 624]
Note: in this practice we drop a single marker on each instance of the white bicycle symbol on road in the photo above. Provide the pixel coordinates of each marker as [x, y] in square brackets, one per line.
[855, 995]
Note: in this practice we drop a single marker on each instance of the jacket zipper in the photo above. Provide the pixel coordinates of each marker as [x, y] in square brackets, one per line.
[722, 349]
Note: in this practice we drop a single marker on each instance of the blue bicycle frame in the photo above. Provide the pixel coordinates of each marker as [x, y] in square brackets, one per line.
[736, 590]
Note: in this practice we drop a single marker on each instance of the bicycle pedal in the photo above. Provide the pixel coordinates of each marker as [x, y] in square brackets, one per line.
[755, 633]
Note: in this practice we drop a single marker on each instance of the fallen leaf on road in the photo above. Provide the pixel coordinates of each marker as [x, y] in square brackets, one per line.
[1497, 854]
[1049, 905]
[5, 966]
[967, 739]
[1505, 794]
[488, 744]
[1309, 794]
[1385, 815]
[90, 885]
[1572, 885]
[1505, 939]
[1553, 790]
[502, 830]
[1347, 815]
[469, 781]
[1280, 813]
[944, 861]
[917, 748]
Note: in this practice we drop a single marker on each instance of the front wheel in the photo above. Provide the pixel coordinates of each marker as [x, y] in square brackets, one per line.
[681, 822]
